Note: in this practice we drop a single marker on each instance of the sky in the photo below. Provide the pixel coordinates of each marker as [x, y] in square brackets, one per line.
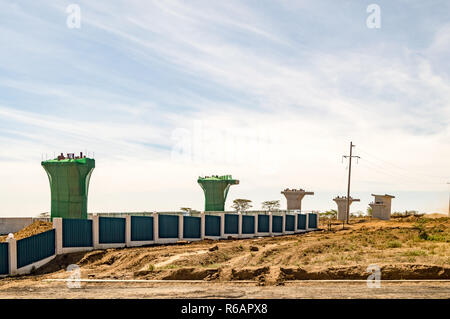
[271, 92]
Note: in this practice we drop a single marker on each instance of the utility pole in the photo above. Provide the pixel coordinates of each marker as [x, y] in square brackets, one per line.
[349, 175]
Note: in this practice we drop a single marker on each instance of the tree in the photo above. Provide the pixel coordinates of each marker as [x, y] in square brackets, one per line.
[241, 205]
[271, 205]
[359, 213]
[369, 211]
[329, 215]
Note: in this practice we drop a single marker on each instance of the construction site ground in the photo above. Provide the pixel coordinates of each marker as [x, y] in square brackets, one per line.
[412, 253]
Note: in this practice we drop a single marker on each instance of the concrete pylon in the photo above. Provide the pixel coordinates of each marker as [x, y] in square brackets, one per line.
[342, 206]
[69, 184]
[294, 197]
[216, 191]
[381, 206]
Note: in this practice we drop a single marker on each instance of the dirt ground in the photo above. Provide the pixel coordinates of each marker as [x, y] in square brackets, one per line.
[310, 290]
[35, 228]
[405, 248]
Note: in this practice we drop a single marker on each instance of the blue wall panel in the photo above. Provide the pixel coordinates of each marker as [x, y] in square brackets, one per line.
[231, 224]
[263, 223]
[312, 221]
[212, 225]
[168, 226]
[77, 232]
[4, 263]
[248, 224]
[111, 230]
[191, 227]
[301, 223]
[35, 248]
[141, 228]
[290, 223]
[277, 224]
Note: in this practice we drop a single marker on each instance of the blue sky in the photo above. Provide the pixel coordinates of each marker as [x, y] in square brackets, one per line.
[271, 92]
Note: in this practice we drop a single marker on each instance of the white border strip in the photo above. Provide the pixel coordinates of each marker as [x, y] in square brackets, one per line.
[147, 280]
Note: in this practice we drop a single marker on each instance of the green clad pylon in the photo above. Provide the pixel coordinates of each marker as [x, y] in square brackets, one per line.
[69, 184]
[216, 191]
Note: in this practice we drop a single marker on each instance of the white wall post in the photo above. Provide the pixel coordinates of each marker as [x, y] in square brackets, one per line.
[95, 232]
[296, 223]
[155, 227]
[222, 225]
[283, 225]
[202, 225]
[307, 221]
[180, 226]
[57, 226]
[270, 224]
[239, 224]
[255, 218]
[12, 255]
[128, 230]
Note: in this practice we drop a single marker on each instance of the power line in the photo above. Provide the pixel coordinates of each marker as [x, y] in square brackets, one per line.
[369, 166]
[382, 169]
[395, 174]
[427, 175]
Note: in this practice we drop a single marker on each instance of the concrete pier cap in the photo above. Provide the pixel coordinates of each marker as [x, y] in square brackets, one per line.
[381, 206]
[341, 202]
[294, 197]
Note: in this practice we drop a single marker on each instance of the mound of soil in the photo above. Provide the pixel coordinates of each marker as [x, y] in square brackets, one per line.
[388, 272]
[35, 228]
[60, 262]
[193, 274]
[248, 273]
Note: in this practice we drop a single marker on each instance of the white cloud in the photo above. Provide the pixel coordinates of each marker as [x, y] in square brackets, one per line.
[287, 112]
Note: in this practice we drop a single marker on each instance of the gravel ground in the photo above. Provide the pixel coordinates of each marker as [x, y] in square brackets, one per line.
[40, 289]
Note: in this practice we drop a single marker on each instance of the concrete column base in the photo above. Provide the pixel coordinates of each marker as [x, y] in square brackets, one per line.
[12, 255]
[222, 226]
[95, 232]
[202, 225]
[155, 227]
[58, 227]
[180, 227]
[270, 224]
[239, 224]
[128, 230]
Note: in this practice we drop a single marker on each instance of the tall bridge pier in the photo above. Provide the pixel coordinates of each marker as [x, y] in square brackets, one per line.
[341, 202]
[69, 178]
[216, 189]
[294, 198]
